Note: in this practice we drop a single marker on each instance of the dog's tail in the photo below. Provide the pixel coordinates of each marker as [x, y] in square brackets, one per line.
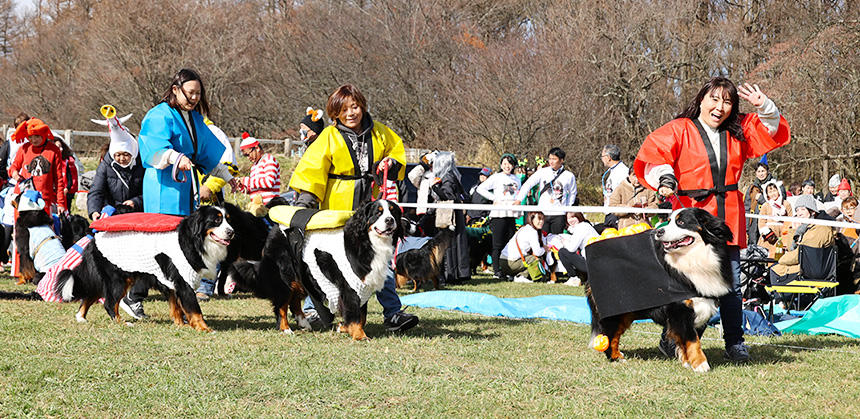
[241, 275]
[65, 285]
[31, 296]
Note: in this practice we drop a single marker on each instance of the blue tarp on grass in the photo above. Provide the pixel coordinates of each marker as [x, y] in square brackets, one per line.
[553, 307]
[834, 315]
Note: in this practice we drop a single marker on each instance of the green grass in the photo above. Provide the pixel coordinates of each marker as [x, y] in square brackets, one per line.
[451, 364]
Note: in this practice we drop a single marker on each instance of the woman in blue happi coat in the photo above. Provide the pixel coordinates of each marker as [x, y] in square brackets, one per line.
[173, 140]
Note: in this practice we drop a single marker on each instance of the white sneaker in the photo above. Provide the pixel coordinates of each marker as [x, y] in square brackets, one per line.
[522, 280]
[574, 281]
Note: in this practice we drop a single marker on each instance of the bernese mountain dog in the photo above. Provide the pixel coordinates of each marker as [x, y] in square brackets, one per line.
[273, 278]
[247, 243]
[425, 263]
[693, 249]
[174, 261]
[341, 266]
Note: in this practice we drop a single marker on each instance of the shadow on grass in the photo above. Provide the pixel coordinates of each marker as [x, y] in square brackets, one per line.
[219, 323]
[427, 328]
[245, 322]
[470, 327]
[758, 355]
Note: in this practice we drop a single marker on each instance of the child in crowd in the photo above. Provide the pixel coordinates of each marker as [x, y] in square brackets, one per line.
[40, 160]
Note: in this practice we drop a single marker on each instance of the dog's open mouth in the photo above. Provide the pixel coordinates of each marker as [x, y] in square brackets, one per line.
[218, 239]
[686, 241]
[386, 232]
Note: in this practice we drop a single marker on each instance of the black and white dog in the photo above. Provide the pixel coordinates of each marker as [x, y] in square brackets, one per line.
[343, 266]
[174, 261]
[247, 244]
[693, 250]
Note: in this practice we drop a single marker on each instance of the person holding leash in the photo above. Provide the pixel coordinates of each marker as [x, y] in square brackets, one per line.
[337, 172]
[174, 141]
[699, 157]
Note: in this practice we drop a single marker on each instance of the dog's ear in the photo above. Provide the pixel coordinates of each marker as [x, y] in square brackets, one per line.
[714, 230]
[277, 200]
[397, 213]
[193, 224]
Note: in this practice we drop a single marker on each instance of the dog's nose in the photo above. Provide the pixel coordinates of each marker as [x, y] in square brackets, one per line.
[229, 232]
[659, 232]
[389, 221]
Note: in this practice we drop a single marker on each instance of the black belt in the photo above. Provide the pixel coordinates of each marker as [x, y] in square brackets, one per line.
[702, 194]
[349, 177]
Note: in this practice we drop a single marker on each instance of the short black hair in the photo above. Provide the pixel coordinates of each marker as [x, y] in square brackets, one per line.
[762, 164]
[555, 151]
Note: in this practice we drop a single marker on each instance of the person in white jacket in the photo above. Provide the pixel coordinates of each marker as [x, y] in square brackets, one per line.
[528, 245]
[556, 188]
[501, 189]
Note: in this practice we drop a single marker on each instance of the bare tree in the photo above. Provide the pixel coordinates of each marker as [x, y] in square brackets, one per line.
[479, 77]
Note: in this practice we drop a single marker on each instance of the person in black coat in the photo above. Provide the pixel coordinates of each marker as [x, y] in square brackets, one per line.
[118, 181]
[449, 188]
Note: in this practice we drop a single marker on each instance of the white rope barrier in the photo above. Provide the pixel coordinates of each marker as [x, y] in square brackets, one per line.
[839, 224]
[573, 208]
[605, 210]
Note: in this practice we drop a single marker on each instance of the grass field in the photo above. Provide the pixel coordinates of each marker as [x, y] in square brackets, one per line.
[451, 364]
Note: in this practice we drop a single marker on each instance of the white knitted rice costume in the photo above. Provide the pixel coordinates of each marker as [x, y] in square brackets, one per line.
[331, 241]
[134, 251]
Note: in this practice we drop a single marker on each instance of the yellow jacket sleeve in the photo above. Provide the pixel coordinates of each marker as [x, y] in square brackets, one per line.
[311, 173]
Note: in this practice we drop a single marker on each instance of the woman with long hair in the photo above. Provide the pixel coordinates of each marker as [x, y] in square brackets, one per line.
[699, 156]
[174, 143]
[173, 134]
[527, 247]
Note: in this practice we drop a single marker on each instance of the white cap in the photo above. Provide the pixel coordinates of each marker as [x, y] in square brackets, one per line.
[121, 140]
[31, 200]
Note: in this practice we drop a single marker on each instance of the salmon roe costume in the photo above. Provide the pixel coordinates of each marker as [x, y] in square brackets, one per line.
[683, 144]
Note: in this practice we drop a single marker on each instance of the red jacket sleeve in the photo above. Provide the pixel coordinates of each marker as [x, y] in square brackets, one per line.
[660, 147]
[758, 138]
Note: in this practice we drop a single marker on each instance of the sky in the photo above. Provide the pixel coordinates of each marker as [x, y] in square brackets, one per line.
[22, 6]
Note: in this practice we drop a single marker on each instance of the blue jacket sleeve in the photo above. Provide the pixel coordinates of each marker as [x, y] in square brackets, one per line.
[209, 148]
[156, 132]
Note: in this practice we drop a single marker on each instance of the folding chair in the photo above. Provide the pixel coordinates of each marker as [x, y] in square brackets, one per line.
[817, 276]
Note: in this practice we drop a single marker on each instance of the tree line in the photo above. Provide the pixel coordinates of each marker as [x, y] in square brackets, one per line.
[481, 77]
